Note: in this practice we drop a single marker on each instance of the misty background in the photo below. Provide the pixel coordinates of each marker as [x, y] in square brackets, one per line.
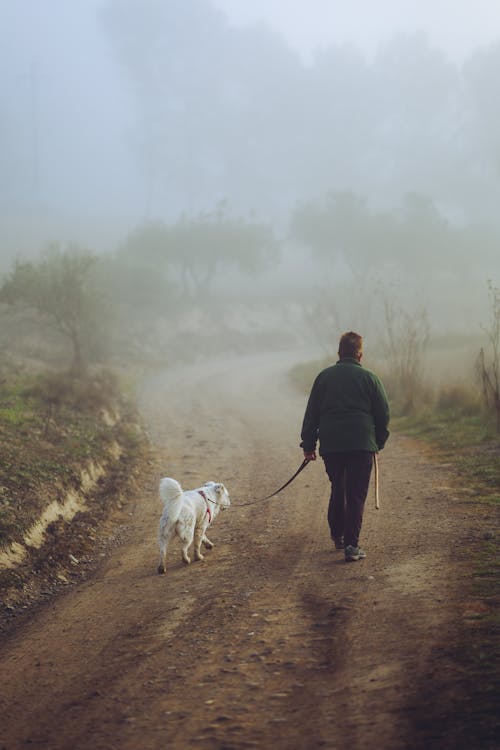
[268, 172]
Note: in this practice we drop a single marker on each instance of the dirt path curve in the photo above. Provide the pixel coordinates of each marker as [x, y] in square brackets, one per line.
[273, 641]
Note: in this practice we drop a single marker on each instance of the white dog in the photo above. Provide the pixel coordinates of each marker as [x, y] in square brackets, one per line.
[188, 514]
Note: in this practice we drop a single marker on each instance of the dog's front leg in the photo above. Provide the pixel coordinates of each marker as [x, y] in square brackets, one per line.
[185, 533]
[198, 537]
[206, 541]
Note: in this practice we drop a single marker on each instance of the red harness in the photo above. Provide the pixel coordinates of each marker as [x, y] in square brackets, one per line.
[208, 507]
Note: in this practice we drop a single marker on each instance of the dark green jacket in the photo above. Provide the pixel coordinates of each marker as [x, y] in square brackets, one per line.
[347, 410]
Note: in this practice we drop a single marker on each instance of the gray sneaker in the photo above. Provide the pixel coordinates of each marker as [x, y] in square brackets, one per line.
[352, 554]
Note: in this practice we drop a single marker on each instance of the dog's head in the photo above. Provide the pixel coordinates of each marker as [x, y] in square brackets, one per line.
[220, 493]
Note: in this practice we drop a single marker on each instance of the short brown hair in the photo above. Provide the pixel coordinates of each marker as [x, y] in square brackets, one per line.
[350, 344]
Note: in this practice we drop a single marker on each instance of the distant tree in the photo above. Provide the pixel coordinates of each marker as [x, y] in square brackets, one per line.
[211, 243]
[194, 250]
[340, 226]
[404, 242]
[137, 276]
[57, 288]
[423, 235]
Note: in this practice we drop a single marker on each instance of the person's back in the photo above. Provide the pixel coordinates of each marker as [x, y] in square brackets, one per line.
[348, 410]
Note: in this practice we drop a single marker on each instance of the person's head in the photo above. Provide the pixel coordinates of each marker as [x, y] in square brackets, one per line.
[351, 345]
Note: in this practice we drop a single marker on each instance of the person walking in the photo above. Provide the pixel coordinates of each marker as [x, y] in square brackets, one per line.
[348, 412]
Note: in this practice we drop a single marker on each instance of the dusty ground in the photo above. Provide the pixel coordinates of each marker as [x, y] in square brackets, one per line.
[273, 641]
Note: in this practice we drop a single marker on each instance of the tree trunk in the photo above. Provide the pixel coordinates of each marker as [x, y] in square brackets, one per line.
[78, 366]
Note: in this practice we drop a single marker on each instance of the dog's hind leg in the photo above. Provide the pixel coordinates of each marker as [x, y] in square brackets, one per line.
[164, 539]
[161, 564]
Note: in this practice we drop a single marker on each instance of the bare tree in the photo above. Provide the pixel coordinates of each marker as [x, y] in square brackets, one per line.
[407, 336]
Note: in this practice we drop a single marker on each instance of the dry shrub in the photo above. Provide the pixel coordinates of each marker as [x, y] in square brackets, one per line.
[404, 346]
[458, 399]
[422, 394]
[90, 393]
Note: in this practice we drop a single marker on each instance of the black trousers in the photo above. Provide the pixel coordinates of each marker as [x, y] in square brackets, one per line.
[349, 473]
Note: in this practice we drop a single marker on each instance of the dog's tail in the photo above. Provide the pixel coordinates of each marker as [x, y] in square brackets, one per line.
[170, 490]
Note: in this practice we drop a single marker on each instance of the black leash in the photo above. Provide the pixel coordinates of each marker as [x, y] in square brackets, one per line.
[268, 497]
[261, 499]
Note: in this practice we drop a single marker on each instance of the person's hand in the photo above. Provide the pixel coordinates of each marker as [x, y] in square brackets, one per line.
[310, 455]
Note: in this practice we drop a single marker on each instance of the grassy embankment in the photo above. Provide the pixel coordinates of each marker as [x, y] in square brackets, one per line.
[54, 432]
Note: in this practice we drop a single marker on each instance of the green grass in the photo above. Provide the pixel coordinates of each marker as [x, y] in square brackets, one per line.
[469, 441]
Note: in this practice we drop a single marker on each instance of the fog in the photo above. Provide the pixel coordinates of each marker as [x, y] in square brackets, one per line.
[365, 139]
[457, 27]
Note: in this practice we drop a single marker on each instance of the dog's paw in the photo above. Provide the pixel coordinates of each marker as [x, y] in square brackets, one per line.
[208, 544]
[161, 569]
[186, 559]
[198, 556]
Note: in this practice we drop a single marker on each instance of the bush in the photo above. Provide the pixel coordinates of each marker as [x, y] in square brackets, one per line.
[88, 394]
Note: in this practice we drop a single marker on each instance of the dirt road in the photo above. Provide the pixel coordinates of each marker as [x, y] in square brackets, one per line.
[273, 641]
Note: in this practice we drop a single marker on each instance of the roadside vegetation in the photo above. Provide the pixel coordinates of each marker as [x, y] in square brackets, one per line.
[57, 432]
[50, 427]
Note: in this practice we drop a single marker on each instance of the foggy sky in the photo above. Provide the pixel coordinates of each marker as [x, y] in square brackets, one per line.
[71, 111]
[456, 26]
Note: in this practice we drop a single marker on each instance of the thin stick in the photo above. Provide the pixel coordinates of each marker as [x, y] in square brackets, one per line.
[377, 500]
